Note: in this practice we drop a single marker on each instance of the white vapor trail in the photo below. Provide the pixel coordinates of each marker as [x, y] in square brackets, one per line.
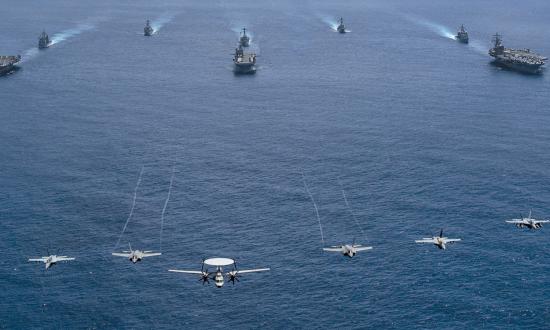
[316, 209]
[350, 209]
[164, 208]
[132, 209]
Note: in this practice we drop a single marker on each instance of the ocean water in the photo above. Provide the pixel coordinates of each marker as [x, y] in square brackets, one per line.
[423, 133]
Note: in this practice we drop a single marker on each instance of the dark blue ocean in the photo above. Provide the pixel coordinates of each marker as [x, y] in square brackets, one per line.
[424, 133]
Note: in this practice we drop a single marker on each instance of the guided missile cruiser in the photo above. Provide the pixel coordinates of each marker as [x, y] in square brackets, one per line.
[148, 30]
[8, 64]
[44, 40]
[341, 27]
[522, 60]
[244, 40]
[244, 62]
[462, 35]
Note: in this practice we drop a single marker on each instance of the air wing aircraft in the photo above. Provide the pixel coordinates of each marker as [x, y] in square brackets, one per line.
[218, 274]
[51, 260]
[136, 255]
[439, 241]
[349, 250]
[528, 222]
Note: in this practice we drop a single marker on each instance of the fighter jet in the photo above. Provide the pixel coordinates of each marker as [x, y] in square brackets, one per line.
[218, 274]
[136, 255]
[52, 260]
[528, 222]
[439, 241]
[349, 250]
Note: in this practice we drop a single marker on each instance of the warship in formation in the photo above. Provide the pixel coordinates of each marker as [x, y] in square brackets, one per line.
[462, 35]
[341, 28]
[148, 30]
[44, 40]
[244, 40]
[244, 62]
[8, 64]
[522, 60]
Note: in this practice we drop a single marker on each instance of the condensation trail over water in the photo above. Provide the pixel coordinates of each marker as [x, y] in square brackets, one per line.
[316, 209]
[164, 208]
[132, 209]
[351, 210]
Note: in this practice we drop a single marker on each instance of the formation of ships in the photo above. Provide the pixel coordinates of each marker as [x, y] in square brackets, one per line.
[522, 60]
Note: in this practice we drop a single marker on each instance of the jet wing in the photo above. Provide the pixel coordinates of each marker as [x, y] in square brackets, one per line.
[451, 240]
[185, 271]
[425, 240]
[515, 221]
[126, 255]
[39, 259]
[333, 249]
[363, 248]
[542, 221]
[148, 254]
[252, 270]
[64, 259]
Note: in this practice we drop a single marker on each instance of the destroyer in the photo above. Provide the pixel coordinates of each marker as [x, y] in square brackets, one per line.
[8, 63]
[44, 40]
[341, 27]
[244, 40]
[148, 30]
[462, 35]
[522, 60]
[244, 62]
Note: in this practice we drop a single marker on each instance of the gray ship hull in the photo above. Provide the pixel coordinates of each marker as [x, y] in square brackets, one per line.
[245, 68]
[4, 70]
[519, 67]
[8, 64]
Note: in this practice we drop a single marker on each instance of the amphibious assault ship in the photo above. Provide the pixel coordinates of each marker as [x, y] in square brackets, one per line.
[341, 27]
[244, 62]
[44, 40]
[244, 40]
[462, 35]
[522, 60]
[8, 63]
[148, 30]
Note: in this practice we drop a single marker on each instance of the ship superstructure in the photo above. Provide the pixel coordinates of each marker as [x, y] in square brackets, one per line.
[523, 60]
[462, 35]
[341, 28]
[244, 40]
[244, 62]
[148, 30]
[44, 40]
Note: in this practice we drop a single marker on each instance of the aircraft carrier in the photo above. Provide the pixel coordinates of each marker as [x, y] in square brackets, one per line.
[244, 62]
[8, 63]
[522, 60]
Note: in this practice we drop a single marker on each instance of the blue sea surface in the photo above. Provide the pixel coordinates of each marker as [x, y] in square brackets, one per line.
[423, 132]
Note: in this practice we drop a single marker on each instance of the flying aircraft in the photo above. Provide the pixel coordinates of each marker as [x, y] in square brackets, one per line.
[439, 241]
[136, 255]
[218, 274]
[347, 249]
[52, 260]
[528, 222]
